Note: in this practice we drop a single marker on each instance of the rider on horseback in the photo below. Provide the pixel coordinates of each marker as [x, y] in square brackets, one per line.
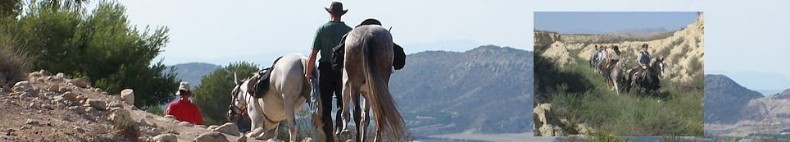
[643, 58]
[601, 56]
[614, 57]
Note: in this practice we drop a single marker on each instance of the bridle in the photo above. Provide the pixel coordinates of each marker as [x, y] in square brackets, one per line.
[235, 109]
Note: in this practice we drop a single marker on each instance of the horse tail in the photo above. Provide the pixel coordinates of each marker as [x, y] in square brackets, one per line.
[388, 118]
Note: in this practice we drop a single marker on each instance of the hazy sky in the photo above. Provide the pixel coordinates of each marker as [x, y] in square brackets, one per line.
[740, 35]
[607, 22]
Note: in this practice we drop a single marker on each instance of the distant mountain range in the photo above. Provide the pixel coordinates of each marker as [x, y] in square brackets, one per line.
[731, 109]
[193, 72]
[484, 90]
[724, 98]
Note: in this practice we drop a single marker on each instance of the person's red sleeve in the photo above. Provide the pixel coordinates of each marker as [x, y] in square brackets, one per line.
[198, 117]
[169, 110]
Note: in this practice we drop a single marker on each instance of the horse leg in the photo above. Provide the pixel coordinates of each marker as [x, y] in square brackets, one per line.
[358, 116]
[348, 91]
[365, 121]
[291, 119]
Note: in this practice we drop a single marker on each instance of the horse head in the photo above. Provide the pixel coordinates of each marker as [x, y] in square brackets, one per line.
[238, 104]
[658, 65]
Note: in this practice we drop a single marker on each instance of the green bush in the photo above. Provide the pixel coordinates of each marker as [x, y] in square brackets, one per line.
[101, 45]
[581, 96]
[213, 95]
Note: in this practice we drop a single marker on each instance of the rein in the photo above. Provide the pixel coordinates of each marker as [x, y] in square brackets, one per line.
[245, 98]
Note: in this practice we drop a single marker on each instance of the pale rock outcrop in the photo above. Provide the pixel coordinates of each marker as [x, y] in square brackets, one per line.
[127, 95]
[211, 137]
[228, 128]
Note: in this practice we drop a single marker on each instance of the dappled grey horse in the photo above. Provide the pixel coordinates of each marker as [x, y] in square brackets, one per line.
[366, 71]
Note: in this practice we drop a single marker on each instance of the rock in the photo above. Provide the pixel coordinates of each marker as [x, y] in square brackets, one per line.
[114, 104]
[127, 95]
[32, 105]
[200, 126]
[79, 129]
[75, 108]
[243, 138]
[185, 124]
[120, 115]
[211, 137]
[212, 127]
[307, 139]
[228, 128]
[584, 129]
[43, 72]
[81, 82]
[144, 139]
[165, 138]
[152, 131]
[548, 124]
[22, 86]
[62, 89]
[50, 94]
[23, 94]
[53, 88]
[89, 109]
[98, 104]
[143, 122]
[69, 96]
[31, 122]
[56, 79]
[170, 116]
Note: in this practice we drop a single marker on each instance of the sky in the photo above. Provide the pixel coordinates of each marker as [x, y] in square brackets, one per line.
[607, 22]
[741, 37]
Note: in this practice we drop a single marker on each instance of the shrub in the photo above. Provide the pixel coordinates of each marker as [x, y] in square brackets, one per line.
[13, 67]
[213, 95]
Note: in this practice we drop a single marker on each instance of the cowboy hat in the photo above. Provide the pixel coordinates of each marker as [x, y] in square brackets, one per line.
[336, 8]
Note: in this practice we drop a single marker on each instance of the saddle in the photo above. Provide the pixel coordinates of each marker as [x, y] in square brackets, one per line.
[338, 53]
[260, 81]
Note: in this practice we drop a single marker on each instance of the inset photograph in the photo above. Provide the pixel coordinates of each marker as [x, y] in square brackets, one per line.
[618, 73]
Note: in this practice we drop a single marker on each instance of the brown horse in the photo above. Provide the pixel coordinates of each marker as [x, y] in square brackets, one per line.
[646, 78]
[366, 71]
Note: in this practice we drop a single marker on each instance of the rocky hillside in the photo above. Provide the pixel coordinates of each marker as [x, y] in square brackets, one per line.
[48, 107]
[683, 51]
[733, 110]
[193, 72]
[484, 90]
[723, 97]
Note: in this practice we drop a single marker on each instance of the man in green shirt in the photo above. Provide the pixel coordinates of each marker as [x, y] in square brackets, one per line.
[329, 81]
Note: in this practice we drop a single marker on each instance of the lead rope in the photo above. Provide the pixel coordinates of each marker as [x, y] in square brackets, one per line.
[313, 96]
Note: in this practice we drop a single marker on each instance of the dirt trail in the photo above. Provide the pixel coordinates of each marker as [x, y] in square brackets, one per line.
[49, 107]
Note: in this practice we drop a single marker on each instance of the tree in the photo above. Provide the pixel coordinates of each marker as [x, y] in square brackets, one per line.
[102, 46]
[213, 95]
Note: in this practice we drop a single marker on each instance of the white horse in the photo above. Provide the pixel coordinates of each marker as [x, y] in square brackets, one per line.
[287, 91]
[366, 71]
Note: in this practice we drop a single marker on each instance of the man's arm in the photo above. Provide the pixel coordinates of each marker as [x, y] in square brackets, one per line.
[311, 63]
[313, 53]
[169, 110]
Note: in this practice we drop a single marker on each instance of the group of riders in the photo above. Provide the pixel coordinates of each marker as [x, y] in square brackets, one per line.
[608, 64]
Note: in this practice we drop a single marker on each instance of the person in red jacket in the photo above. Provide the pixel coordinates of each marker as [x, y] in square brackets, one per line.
[183, 109]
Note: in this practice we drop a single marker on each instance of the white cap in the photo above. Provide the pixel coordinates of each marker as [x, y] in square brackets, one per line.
[184, 86]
